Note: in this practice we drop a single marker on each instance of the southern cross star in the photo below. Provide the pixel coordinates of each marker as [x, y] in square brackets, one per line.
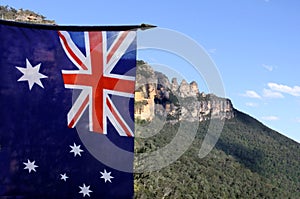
[31, 74]
[76, 150]
[30, 166]
[106, 176]
[64, 177]
[85, 190]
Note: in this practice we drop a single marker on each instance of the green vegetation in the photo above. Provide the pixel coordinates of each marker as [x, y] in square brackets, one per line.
[249, 161]
[9, 13]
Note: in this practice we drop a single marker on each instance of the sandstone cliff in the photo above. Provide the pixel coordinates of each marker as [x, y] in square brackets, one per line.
[156, 96]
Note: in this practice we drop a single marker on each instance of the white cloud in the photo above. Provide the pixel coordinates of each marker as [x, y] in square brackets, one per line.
[251, 94]
[251, 104]
[268, 67]
[270, 118]
[295, 91]
[272, 94]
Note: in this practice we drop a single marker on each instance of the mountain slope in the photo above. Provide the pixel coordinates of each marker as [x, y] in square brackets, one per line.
[249, 161]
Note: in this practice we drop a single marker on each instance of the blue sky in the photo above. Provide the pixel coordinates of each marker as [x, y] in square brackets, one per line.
[255, 45]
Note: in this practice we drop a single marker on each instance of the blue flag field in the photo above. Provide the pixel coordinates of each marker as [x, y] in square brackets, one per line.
[67, 105]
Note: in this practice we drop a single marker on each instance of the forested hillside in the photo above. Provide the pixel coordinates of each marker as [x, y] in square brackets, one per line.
[249, 161]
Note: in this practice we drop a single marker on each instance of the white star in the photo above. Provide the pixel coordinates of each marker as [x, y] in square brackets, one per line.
[106, 176]
[85, 190]
[30, 166]
[64, 177]
[31, 74]
[76, 150]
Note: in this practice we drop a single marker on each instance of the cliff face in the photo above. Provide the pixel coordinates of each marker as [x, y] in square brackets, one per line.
[205, 108]
[157, 96]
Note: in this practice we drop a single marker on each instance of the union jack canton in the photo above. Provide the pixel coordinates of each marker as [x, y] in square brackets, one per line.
[99, 77]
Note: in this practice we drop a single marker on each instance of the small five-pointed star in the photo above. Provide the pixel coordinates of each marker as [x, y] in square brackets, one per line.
[106, 176]
[30, 166]
[31, 74]
[64, 177]
[76, 150]
[85, 190]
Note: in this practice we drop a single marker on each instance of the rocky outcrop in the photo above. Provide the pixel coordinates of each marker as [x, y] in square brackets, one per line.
[207, 108]
[162, 80]
[157, 96]
[9, 13]
[174, 85]
[186, 89]
[194, 91]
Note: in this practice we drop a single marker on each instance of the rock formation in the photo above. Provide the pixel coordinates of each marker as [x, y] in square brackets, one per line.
[11, 14]
[156, 96]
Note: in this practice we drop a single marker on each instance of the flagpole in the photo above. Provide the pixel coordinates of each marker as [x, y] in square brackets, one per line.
[78, 28]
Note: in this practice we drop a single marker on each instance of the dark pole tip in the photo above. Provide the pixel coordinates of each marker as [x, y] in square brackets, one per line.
[146, 26]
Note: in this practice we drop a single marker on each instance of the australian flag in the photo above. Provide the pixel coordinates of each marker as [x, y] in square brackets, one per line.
[66, 101]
